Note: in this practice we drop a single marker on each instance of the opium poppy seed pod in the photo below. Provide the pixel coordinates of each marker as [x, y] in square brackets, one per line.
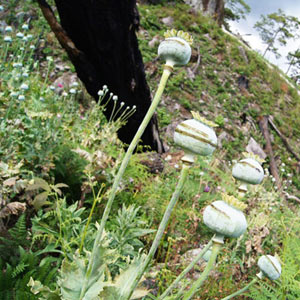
[176, 49]
[270, 266]
[249, 169]
[224, 219]
[196, 136]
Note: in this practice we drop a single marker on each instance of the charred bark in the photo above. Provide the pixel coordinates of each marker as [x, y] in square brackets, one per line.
[99, 37]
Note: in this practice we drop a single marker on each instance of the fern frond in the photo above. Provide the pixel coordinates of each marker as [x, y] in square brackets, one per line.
[20, 268]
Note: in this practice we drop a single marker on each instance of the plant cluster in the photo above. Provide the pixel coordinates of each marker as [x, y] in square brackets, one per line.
[101, 258]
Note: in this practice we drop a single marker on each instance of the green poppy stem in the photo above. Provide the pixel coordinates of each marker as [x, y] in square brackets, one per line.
[161, 229]
[210, 264]
[185, 271]
[125, 161]
[241, 290]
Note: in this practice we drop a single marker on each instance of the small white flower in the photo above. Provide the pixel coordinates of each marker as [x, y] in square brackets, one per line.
[282, 169]
[100, 93]
[176, 166]
[42, 99]
[7, 39]
[25, 27]
[122, 104]
[17, 65]
[115, 98]
[289, 175]
[49, 58]
[72, 91]
[201, 173]
[14, 94]
[20, 35]
[105, 87]
[52, 88]
[21, 97]
[1, 8]
[273, 179]
[8, 29]
[24, 87]
[22, 49]
[283, 164]
[25, 75]
[25, 39]
[32, 47]
[74, 84]
[29, 36]
[64, 94]
[289, 159]
[290, 181]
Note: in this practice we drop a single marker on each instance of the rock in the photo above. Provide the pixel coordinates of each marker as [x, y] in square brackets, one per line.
[154, 41]
[168, 21]
[243, 54]
[255, 148]
[223, 136]
[190, 255]
[154, 162]
[65, 81]
[243, 82]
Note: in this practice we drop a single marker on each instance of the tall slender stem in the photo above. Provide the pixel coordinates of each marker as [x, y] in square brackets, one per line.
[132, 146]
[161, 229]
[192, 291]
[241, 290]
[185, 271]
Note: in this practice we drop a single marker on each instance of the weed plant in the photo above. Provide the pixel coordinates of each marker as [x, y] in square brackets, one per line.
[47, 137]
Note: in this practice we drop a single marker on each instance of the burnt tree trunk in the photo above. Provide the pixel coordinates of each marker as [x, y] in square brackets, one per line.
[99, 37]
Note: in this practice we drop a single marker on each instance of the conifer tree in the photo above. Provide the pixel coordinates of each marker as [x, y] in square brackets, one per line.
[277, 28]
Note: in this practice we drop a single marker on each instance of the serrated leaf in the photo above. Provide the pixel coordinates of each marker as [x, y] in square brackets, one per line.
[60, 185]
[41, 200]
[44, 291]
[39, 183]
[73, 275]
[124, 281]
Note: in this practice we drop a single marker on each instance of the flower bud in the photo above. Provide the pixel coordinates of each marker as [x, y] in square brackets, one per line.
[175, 49]
[270, 266]
[224, 219]
[248, 170]
[195, 137]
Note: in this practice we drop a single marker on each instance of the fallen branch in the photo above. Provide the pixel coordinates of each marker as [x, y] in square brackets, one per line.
[194, 70]
[263, 125]
[291, 197]
[283, 138]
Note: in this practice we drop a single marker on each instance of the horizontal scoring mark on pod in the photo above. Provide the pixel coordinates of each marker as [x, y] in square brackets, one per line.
[194, 129]
[247, 163]
[195, 137]
[219, 210]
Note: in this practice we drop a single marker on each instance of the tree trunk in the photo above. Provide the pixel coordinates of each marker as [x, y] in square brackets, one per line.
[214, 8]
[99, 37]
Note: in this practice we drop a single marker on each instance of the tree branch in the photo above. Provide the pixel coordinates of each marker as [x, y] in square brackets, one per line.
[263, 125]
[284, 140]
[59, 32]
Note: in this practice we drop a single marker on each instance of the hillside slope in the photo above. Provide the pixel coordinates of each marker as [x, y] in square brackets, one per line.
[226, 81]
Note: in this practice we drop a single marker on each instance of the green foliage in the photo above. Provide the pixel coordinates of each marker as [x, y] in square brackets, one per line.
[52, 229]
[277, 27]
